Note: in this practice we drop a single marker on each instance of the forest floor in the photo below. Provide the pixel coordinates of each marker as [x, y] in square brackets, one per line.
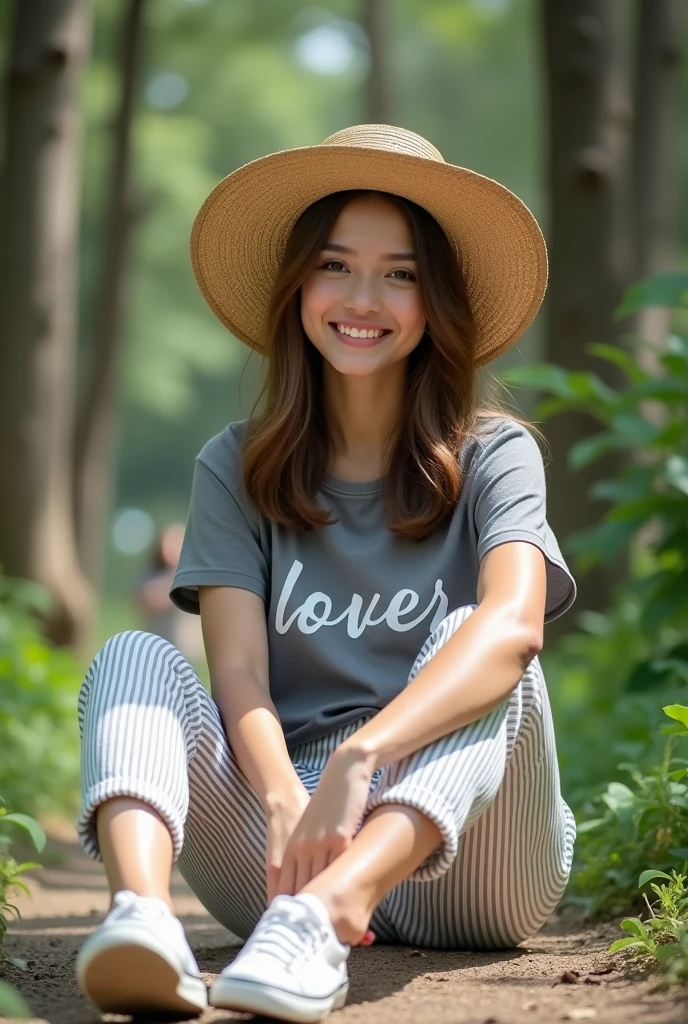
[563, 974]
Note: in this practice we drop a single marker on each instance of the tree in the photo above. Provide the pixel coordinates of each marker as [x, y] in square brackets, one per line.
[378, 93]
[38, 302]
[95, 438]
[589, 242]
[659, 48]
[613, 188]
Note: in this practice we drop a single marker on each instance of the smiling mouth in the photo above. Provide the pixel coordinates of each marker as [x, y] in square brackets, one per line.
[359, 334]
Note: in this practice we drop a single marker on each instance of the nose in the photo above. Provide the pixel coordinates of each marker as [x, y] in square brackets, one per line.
[362, 295]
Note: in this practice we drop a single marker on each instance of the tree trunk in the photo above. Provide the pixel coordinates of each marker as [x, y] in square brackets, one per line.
[95, 440]
[376, 24]
[38, 304]
[588, 121]
[659, 49]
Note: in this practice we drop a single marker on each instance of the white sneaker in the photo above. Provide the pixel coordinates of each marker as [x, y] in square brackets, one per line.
[138, 960]
[292, 966]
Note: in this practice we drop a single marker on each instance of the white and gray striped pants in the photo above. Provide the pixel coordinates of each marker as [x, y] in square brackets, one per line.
[151, 731]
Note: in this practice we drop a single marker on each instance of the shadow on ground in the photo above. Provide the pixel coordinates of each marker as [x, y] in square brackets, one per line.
[563, 973]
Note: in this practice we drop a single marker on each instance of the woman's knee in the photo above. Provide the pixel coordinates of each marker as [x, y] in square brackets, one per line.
[125, 661]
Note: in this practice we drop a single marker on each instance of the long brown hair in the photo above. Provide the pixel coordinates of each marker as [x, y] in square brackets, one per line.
[287, 448]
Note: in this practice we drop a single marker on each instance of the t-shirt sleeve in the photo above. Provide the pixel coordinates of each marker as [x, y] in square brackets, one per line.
[508, 497]
[220, 548]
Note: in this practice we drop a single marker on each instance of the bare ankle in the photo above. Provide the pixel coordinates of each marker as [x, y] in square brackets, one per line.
[349, 915]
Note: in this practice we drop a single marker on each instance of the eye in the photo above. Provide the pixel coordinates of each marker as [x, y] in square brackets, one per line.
[332, 265]
[410, 275]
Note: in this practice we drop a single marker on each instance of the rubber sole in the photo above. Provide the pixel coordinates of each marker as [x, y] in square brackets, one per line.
[252, 997]
[129, 978]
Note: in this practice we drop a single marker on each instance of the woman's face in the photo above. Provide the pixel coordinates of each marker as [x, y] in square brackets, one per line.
[364, 281]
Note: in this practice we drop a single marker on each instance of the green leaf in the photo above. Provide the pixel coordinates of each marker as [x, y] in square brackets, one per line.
[645, 675]
[590, 388]
[540, 377]
[673, 730]
[675, 364]
[667, 604]
[678, 712]
[633, 429]
[11, 1003]
[32, 827]
[666, 389]
[652, 873]
[591, 448]
[669, 290]
[624, 944]
[601, 543]
[618, 796]
[621, 358]
[635, 926]
[676, 472]
[632, 486]
[589, 825]
[548, 407]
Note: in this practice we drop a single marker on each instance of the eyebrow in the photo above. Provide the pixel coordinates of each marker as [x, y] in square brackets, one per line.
[333, 247]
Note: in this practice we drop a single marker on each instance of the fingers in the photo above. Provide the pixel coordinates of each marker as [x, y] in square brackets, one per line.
[304, 861]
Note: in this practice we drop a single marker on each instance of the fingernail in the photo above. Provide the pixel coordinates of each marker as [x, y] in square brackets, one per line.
[368, 939]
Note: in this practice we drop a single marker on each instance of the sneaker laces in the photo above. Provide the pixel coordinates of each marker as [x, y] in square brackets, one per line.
[127, 904]
[286, 933]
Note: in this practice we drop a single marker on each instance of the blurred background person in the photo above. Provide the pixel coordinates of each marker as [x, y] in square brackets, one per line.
[159, 615]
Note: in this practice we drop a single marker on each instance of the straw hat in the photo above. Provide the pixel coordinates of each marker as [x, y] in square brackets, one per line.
[240, 232]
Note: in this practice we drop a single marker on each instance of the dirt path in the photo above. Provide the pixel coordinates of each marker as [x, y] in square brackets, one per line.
[564, 973]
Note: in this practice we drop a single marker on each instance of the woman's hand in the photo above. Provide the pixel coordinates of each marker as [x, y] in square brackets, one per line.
[330, 821]
[283, 815]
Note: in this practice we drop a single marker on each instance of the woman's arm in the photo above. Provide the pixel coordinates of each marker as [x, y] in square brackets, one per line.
[474, 671]
[236, 644]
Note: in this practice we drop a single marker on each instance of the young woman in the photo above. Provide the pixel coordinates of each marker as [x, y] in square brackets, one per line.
[373, 567]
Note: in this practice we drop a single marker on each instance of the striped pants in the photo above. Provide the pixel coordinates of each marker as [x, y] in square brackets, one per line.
[151, 731]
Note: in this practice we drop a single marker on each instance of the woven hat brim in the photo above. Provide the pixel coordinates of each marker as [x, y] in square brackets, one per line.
[240, 233]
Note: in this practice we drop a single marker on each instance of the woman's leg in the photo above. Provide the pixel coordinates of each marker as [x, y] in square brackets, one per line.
[491, 837]
[160, 783]
[136, 848]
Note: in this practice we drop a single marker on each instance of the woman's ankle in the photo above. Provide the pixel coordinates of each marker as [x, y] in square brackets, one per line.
[350, 915]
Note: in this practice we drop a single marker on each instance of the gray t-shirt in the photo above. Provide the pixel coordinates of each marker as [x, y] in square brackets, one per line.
[349, 606]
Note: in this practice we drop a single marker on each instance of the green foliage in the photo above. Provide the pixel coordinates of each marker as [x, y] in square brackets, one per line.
[662, 937]
[651, 491]
[644, 822]
[593, 709]
[11, 1003]
[39, 767]
[670, 290]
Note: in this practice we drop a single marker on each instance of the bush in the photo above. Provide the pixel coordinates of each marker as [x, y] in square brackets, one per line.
[39, 739]
[661, 938]
[604, 679]
[652, 488]
[594, 711]
[11, 1002]
[643, 824]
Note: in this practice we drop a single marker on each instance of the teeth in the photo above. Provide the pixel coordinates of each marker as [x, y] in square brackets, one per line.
[354, 332]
